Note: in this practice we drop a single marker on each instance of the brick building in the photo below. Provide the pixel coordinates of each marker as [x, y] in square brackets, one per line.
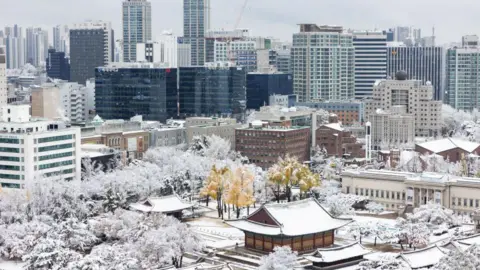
[451, 149]
[338, 141]
[263, 144]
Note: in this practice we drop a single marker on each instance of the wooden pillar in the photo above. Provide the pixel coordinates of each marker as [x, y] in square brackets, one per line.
[293, 243]
[333, 237]
[246, 245]
[301, 243]
[281, 241]
[323, 236]
[314, 244]
[254, 241]
[263, 242]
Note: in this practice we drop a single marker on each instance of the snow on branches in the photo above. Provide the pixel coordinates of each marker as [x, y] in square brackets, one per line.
[282, 258]
[434, 214]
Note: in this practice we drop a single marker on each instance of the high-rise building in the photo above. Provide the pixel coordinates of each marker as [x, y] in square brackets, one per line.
[33, 149]
[137, 26]
[370, 61]
[196, 22]
[420, 63]
[37, 45]
[149, 52]
[462, 89]
[15, 47]
[124, 90]
[416, 97]
[58, 67]
[260, 86]
[168, 51]
[3, 77]
[242, 53]
[91, 46]
[212, 36]
[401, 33]
[61, 39]
[283, 61]
[215, 90]
[323, 61]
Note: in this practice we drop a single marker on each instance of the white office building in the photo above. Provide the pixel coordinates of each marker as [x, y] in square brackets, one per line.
[323, 63]
[36, 148]
[370, 61]
[415, 96]
[168, 51]
[463, 76]
[391, 129]
[149, 52]
[76, 100]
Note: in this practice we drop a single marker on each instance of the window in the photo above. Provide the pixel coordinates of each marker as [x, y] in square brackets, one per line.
[9, 150]
[398, 195]
[55, 164]
[403, 195]
[356, 191]
[9, 158]
[348, 190]
[366, 192]
[376, 193]
[54, 156]
[471, 202]
[388, 194]
[453, 201]
[459, 202]
[476, 203]
[56, 138]
[381, 194]
[465, 202]
[55, 147]
[9, 168]
[361, 191]
[10, 176]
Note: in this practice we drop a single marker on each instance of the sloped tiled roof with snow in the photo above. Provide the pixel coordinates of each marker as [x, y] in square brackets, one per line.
[295, 218]
[442, 145]
[423, 258]
[470, 240]
[166, 204]
[330, 255]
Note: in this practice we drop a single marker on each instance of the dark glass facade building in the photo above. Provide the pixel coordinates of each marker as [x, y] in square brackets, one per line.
[58, 66]
[260, 86]
[125, 92]
[212, 91]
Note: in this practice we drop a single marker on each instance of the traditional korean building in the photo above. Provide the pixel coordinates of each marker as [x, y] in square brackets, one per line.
[302, 225]
[338, 257]
[424, 258]
[169, 205]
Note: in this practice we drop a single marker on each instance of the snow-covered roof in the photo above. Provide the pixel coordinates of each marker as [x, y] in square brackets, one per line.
[166, 204]
[442, 145]
[295, 218]
[329, 255]
[335, 126]
[454, 245]
[423, 257]
[470, 240]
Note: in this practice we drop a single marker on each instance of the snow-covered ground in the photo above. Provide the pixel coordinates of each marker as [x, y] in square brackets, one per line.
[9, 265]
[217, 234]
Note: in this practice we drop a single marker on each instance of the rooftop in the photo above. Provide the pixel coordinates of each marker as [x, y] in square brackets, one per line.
[292, 219]
[442, 145]
[329, 255]
[166, 204]
[423, 258]
[274, 128]
[335, 126]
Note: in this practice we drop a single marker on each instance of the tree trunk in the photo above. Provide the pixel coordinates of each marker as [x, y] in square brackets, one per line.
[289, 194]
[208, 199]
[219, 207]
[248, 209]
[181, 261]
[229, 211]
[375, 242]
[238, 212]
[360, 239]
[401, 245]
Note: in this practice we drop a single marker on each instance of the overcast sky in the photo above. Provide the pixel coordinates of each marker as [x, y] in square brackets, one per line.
[277, 18]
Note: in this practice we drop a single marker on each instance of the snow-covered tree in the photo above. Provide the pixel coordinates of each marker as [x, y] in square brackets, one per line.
[50, 254]
[374, 207]
[282, 258]
[240, 189]
[384, 263]
[326, 189]
[460, 260]
[90, 168]
[342, 204]
[434, 214]
[413, 234]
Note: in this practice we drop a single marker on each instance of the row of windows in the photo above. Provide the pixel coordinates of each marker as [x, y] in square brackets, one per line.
[54, 147]
[10, 176]
[68, 171]
[10, 185]
[9, 168]
[465, 202]
[9, 150]
[54, 156]
[7, 140]
[375, 193]
[55, 164]
[56, 138]
[9, 158]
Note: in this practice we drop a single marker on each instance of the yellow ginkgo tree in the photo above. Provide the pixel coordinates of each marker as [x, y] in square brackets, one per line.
[240, 189]
[216, 184]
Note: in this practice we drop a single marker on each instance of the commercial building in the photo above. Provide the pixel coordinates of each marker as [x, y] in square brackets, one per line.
[212, 36]
[241, 52]
[392, 128]
[370, 61]
[150, 51]
[260, 86]
[208, 126]
[218, 89]
[58, 66]
[323, 63]
[450, 149]
[137, 26]
[196, 22]
[285, 101]
[91, 46]
[36, 148]
[167, 136]
[348, 113]
[338, 142]
[420, 63]
[167, 51]
[463, 76]
[263, 144]
[416, 97]
[46, 101]
[61, 39]
[123, 90]
[302, 226]
[403, 190]
[3, 77]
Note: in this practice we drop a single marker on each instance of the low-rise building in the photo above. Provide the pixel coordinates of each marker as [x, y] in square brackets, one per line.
[392, 128]
[31, 148]
[348, 113]
[450, 149]
[339, 142]
[208, 126]
[397, 190]
[263, 144]
[167, 136]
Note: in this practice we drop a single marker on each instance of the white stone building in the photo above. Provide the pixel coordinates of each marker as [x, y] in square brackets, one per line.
[396, 190]
[208, 126]
[417, 99]
[392, 128]
[36, 148]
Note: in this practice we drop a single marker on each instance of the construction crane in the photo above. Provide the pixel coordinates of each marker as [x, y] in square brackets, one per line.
[229, 40]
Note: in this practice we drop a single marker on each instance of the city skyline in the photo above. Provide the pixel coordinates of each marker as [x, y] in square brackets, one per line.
[262, 18]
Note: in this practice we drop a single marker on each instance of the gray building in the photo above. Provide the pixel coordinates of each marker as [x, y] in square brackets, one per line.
[462, 90]
[137, 26]
[421, 63]
[370, 61]
[169, 136]
[91, 46]
[196, 21]
[323, 63]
